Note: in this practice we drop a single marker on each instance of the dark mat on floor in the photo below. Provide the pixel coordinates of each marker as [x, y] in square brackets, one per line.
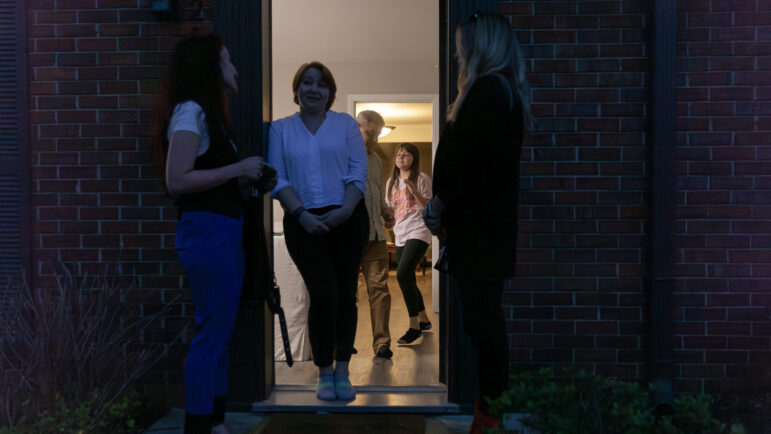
[342, 423]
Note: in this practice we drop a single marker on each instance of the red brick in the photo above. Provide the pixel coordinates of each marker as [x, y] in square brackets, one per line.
[713, 49]
[710, 79]
[752, 18]
[580, 21]
[98, 101]
[752, 48]
[57, 131]
[117, 87]
[54, 241]
[599, 7]
[117, 116]
[54, 45]
[55, 73]
[76, 59]
[621, 50]
[101, 130]
[138, 43]
[75, 116]
[100, 44]
[78, 88]
[693, 94]
[532, 22]
[54, 17]
[576, 50]
[733, 34]
[118, 4]
[515, 8]
[733, 5]
[97, 16]
[753, 78]
[751, 168]
[42, 31]
[708, 197]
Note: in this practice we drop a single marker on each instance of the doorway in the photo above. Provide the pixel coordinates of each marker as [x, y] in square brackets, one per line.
[246, 25]
[378, 55]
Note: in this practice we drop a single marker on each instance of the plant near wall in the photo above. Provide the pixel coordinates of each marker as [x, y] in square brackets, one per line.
[70, 355]
[591, 404]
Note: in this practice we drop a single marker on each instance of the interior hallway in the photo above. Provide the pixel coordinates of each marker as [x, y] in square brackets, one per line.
[416, 364]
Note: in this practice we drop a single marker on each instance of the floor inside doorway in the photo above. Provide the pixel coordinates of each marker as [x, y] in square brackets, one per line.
[411, 365]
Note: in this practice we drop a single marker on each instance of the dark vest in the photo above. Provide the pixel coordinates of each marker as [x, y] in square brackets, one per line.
[223, 199]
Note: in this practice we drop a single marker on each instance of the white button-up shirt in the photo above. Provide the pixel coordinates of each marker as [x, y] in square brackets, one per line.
[318, 167]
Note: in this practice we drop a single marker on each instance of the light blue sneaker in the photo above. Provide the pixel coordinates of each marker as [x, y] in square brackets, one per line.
[343, 388]
[326, 388]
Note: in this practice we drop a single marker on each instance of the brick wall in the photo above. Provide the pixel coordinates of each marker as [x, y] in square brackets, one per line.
[94, 66]
[724, 193]
[579, 298]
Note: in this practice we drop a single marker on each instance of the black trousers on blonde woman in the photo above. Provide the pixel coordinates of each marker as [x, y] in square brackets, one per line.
[484, 322]
[329, 265]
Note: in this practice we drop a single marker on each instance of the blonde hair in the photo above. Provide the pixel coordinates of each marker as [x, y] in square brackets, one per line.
[487, 46]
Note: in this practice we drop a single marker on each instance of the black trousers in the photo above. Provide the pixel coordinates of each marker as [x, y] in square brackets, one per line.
[329, 265]
[407, 259]
[483, 320]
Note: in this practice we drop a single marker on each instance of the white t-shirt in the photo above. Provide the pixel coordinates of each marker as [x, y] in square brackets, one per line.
[189, 116]
[408, 213]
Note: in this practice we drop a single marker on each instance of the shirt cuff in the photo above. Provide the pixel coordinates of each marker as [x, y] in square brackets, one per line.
[359, 184]
[280, 185]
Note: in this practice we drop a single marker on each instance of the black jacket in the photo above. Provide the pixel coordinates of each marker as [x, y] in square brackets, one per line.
[476, 174]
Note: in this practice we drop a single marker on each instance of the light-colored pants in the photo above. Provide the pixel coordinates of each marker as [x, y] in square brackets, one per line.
[374, 266]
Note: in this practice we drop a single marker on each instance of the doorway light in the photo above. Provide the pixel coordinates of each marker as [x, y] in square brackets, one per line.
[386, 130]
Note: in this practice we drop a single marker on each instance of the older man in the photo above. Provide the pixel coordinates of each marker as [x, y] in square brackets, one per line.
[374, 265]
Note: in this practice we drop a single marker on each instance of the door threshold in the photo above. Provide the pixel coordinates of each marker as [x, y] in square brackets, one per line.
[431, 399]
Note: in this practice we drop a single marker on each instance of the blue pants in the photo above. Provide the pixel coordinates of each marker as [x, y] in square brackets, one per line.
[211, 251]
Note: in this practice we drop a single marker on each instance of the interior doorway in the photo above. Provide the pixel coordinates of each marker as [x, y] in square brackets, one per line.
[379, 54]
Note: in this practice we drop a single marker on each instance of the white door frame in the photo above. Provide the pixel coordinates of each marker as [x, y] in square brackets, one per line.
[424, 97]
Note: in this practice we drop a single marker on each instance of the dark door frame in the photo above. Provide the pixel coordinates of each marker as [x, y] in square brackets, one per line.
[245, 27]
[250, 48]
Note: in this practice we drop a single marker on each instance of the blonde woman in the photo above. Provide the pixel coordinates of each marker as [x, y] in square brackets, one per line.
[476, 184]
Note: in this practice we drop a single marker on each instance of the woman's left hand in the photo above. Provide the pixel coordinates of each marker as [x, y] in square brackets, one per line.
[336, 217]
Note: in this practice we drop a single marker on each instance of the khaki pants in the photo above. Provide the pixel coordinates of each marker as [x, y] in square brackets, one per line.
[374, 266]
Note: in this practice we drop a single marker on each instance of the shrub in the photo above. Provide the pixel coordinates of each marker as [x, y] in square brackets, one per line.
[71, 354]
[596, 405]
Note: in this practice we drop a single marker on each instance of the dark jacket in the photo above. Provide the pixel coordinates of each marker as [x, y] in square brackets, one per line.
[476, 174]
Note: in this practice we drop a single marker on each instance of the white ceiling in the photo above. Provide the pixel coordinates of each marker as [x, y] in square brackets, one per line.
[355, 31]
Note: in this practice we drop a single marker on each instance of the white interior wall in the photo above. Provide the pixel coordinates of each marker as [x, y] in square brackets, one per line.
[354, 78]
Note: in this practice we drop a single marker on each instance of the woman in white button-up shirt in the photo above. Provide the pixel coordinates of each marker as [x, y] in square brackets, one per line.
[321, 162]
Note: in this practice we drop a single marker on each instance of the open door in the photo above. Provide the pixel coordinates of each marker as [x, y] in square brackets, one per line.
[245, 27]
